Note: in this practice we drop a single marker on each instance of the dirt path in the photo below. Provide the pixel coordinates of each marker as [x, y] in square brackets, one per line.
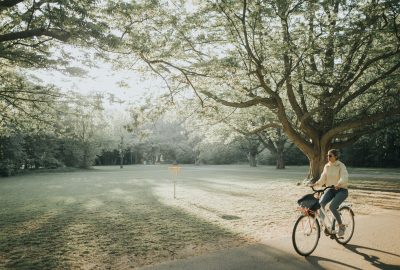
[375, 245]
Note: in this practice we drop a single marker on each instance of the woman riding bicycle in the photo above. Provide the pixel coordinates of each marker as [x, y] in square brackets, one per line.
[334, 174]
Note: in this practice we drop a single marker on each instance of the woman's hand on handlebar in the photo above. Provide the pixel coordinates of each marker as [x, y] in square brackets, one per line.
[320, 190]
[312, 185]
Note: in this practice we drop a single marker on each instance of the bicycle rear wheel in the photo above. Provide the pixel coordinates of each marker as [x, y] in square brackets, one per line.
[347, 217]
[305, 235]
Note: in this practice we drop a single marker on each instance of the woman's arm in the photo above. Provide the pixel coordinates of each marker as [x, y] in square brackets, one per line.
[344, 177]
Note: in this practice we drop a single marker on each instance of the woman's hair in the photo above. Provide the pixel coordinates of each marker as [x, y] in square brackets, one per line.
[334, 152]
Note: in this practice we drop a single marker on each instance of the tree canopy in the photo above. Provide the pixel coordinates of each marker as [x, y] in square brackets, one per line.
[31, 36]
[328, 70]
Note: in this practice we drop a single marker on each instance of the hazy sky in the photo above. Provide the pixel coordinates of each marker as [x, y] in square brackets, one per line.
[128, 85]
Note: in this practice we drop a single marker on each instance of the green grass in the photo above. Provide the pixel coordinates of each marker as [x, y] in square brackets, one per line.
[108, 217]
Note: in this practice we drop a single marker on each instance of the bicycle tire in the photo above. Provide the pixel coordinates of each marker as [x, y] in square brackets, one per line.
[347, 215]
[306, 228]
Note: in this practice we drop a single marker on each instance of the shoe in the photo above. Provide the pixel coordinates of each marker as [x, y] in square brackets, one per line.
[342, 229]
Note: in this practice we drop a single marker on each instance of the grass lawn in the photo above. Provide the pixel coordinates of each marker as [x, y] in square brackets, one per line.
[111, 218]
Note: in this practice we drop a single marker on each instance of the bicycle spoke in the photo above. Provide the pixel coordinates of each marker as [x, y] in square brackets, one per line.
[348, 220]
[305, 235]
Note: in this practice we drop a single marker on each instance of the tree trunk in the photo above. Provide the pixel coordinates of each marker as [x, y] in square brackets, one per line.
[197, 160]
[84, 158]
[121, 153]
[252, 159]
[280, 162]
[317, 163]
[121, 158]
[280, 153]
[131, 158]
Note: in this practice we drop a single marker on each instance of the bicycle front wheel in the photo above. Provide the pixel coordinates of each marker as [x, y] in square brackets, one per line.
[347, 217]
[305, 236]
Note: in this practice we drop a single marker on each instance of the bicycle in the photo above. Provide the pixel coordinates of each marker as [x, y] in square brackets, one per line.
[307, 229]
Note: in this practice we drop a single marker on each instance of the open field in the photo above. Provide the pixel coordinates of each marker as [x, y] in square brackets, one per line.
[108, 218]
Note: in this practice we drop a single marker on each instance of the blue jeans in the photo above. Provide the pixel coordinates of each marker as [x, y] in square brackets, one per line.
[337, 197]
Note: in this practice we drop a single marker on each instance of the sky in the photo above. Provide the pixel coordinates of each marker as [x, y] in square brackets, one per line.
[127, 85]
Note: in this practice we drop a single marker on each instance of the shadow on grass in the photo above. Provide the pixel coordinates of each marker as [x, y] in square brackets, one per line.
[215, 187]
[38, 248]
[379, 189]
[127, 230]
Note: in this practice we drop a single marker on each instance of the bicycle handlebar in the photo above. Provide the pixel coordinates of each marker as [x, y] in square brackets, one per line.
[321, 190]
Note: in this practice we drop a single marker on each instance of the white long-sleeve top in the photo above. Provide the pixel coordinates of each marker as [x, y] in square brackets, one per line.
[334, 174]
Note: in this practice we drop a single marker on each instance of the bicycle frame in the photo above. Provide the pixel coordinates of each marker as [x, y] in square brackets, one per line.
[328, 222]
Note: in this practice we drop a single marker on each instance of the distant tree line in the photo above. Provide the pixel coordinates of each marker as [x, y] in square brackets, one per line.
[19, 152]
[22, 151]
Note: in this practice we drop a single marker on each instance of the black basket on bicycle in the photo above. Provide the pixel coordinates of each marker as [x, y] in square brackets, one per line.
[309, 202]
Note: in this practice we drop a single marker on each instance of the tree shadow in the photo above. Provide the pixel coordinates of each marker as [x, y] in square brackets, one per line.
[128, 229]
[376, 189]
[372, 258]
[315, 261]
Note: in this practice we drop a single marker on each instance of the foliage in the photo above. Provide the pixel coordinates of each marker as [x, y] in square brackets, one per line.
[25, 105]
[12, 154]
[253, 128]
[328, 70]
[167, 142]
[84, 126]
[73, 138]
[217, 153]
[293, 156]
[31, 36]
[381, 149]
[324, 72]
[42, 151]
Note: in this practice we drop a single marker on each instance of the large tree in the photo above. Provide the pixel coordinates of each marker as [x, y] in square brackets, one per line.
[328, 70]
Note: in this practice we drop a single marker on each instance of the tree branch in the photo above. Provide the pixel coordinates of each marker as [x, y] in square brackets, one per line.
[246, 40]
[358, 124]
[367, 64]
[268, 102]
[350, 139]
[269, 144]
[9, 3]
[56, 33]
[366, 86]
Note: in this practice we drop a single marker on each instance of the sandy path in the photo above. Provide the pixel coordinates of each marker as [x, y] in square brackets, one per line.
[375, 245]
[259, 211]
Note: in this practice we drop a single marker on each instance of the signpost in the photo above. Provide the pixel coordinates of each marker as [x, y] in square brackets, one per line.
[175, 169]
